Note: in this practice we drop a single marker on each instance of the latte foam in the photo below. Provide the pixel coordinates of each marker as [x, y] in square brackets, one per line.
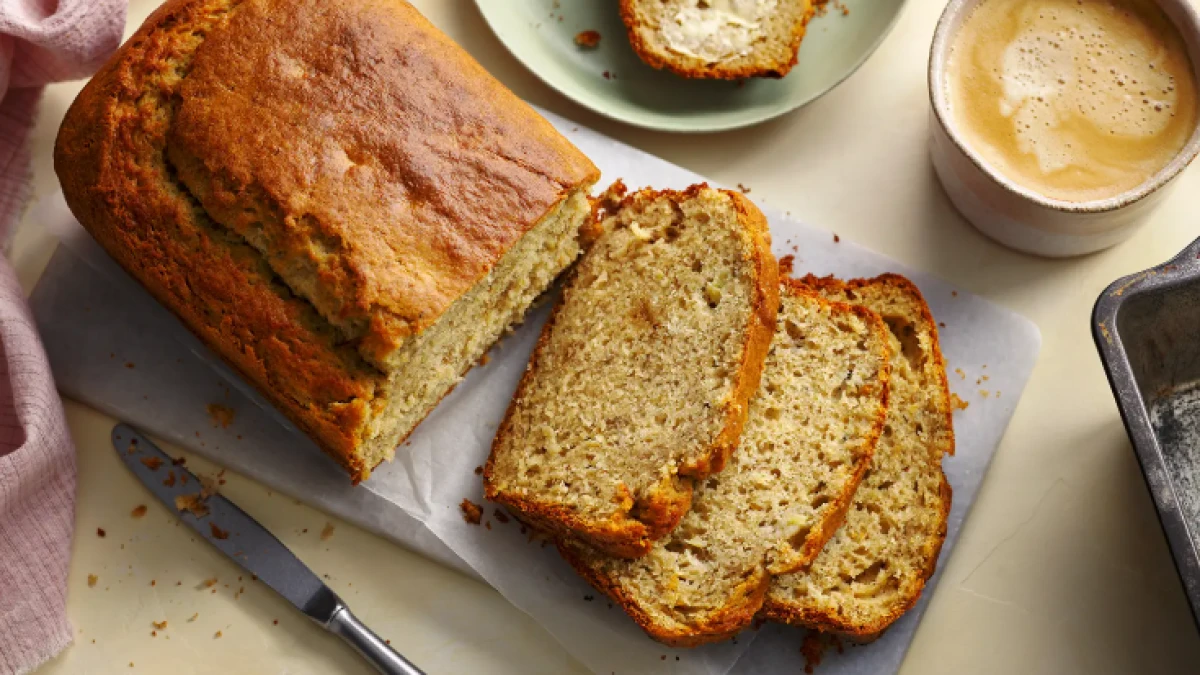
[1074, 99]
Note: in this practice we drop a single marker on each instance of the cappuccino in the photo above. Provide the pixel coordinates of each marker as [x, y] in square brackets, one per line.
[1077, 100]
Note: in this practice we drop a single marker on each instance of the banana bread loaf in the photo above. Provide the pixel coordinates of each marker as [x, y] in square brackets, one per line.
[332, 195]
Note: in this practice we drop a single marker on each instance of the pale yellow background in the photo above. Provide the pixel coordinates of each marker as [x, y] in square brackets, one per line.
[1061, 568]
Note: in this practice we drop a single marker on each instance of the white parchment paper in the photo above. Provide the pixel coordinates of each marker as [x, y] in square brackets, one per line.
[113, 347]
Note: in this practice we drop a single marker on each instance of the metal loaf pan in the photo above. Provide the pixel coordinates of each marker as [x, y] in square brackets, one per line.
[1147, 328]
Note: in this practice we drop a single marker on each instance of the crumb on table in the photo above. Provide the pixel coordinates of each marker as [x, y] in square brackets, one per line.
[221, 415]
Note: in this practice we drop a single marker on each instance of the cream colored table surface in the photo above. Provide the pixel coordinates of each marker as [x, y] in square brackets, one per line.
[1061, 568]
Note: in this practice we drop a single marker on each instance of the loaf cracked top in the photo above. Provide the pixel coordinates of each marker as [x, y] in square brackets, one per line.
[307, 183]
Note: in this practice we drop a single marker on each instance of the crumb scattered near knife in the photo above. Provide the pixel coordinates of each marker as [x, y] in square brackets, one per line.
[472, 512]
[192, 503]
[169, 481]
[217, 532]
[327, 532]
[208, 486]
[221, 415]
[138, 511]
[152, 463]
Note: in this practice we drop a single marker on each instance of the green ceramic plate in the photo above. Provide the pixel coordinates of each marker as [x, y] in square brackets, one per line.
[541, 34]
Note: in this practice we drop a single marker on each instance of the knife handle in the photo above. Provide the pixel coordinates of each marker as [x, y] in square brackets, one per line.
[386, 660]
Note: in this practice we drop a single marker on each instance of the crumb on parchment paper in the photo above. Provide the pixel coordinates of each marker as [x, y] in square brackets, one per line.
[957, 403]
[472, 512]
[92, 579]
[138, 511]
[327, 532]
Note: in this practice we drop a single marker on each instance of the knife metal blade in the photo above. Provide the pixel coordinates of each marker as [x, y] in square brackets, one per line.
[251, 546]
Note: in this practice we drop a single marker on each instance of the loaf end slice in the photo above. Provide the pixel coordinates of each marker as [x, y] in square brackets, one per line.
[875, 567]
[731, 40]
[812, 428]
[640, 382]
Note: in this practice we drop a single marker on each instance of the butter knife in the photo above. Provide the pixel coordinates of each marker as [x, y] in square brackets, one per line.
[250, 545]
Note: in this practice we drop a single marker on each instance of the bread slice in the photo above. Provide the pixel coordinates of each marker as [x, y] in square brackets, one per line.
[640, 381]
[874, 568]
[812, 428]
[336, 198]
[718, 39]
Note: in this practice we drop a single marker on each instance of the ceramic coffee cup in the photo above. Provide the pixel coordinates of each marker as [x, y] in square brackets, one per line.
[1017, 216]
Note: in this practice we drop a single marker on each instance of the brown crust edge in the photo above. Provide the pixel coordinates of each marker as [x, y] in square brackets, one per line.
[828, 622]
[709, 71]
[749, 597]
[629, 537]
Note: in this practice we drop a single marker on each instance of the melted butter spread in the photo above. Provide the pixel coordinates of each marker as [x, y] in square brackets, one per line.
[716, 30]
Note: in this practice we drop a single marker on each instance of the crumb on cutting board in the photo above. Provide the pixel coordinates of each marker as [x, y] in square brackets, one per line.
[957, 403]
[472, 512]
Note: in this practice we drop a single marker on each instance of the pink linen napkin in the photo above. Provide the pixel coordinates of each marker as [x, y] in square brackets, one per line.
[41, 41]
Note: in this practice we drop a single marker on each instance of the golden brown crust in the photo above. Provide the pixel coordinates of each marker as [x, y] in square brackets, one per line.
[830, 621]
[721, 626]
[110, 156]
[695, 68]
[396, 125]
[627, 534]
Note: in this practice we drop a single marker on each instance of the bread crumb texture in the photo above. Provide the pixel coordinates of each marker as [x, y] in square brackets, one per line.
[875, 566]
[811, 431]
[638, 385]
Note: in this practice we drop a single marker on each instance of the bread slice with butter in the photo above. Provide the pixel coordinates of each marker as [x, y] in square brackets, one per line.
[639, 385]
[812, 428]
[875, 567]
[718, 39]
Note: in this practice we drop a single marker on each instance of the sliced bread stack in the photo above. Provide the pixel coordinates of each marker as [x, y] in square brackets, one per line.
[875, 567]
[718, 39]
[640, 383]
[674, 343]
[808, 440]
